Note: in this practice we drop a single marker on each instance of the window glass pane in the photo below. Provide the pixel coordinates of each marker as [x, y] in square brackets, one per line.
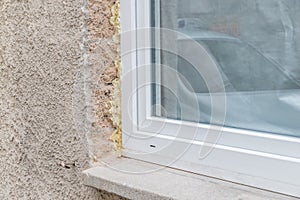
[255, 47]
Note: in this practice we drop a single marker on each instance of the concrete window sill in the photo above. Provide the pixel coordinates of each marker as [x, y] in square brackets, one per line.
[134, 179]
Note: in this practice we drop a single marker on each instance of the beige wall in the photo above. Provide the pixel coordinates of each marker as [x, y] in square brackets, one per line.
[56, 68]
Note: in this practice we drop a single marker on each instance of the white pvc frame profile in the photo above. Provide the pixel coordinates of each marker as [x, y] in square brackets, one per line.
[262, 160]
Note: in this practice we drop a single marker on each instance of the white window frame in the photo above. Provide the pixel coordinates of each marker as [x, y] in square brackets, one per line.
[257, 159]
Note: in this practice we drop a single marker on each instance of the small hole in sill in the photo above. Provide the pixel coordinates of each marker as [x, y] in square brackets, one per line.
[152, 146]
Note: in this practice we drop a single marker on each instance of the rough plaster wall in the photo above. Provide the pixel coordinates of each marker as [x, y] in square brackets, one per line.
[103, 51]
[46, 113]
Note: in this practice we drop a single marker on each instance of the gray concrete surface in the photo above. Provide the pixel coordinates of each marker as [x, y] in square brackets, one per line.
[45, 111]
[140, 180]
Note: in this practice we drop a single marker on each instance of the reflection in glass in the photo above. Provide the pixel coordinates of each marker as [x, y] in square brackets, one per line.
[256, 48]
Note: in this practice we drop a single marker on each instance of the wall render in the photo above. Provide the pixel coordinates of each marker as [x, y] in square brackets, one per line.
[57, 65]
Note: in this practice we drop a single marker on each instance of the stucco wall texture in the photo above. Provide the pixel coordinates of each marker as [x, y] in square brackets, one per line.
[56, 70]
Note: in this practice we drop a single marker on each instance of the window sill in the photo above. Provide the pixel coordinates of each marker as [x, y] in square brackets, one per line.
[150, 181]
